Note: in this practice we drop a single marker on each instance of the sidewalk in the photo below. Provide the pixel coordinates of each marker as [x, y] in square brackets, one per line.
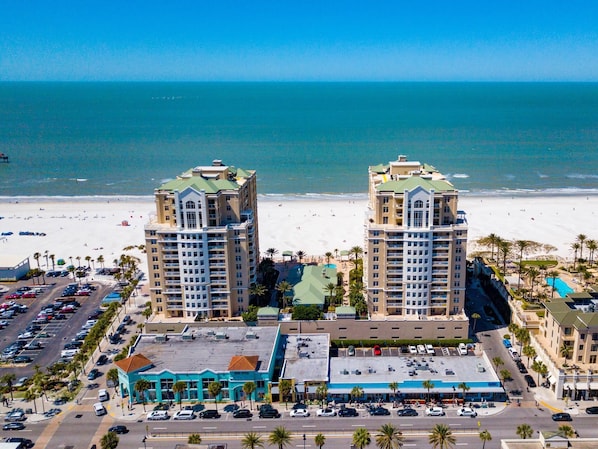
[546, 399]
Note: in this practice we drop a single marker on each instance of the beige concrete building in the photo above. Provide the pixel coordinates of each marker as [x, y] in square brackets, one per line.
[416, 239]
[202, 243]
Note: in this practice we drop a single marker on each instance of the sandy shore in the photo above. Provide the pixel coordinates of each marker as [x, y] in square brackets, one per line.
[101, 226]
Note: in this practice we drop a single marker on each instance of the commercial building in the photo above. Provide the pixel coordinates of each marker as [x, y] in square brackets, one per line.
[203, 244]
[13, 268]
[416, 238]
[231, 356]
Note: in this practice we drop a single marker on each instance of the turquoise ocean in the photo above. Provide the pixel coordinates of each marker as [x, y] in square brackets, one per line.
[314, 139]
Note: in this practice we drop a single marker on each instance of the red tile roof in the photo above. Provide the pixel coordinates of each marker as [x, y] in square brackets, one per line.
[133, 363]
[243, 363]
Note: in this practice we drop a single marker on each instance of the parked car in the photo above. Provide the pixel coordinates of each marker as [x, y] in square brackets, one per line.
[377, 350]
[299, 413]
[102, 360]
[25, 443]
[467, 411]
[184, 415]
[269, 412]
[347, 412]
[242, 413]
[407, 412]
[209, 414]
[158, 415]
[561, 417]
[434, 411]
[326, 412]
[592, 410]
[22, 359]
[118, 429]
[530, 381]
[93, 374]
[351, 351]
[299, 405]
[379, 411]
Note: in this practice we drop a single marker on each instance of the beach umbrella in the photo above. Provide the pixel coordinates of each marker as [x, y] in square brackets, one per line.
[60, 262]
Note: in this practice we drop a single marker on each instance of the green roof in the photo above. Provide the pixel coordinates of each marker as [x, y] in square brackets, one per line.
[268, 311]
[345, 310]
[187, 180]
[413, 182]
[311, 289]
[565, 313]
[380, 168]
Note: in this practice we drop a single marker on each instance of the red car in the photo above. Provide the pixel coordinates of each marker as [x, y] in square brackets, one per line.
[29, 295]
[13, 296]
[377, 350]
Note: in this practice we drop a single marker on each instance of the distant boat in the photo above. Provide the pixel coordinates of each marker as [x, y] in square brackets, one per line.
[3, 157]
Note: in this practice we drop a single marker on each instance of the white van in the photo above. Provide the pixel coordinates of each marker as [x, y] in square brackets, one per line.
[99, 408]
[430, 349]
[462, 349]
[68, 353]
[514, 354]
[184, 415]
[103, 395]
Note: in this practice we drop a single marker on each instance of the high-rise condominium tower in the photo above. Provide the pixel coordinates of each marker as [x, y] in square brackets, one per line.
[202, 244]
[415, 242]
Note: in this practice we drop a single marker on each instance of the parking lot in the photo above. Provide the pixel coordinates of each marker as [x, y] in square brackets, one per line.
[43, 323]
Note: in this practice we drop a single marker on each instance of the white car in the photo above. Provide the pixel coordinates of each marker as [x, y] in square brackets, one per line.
[326, 412]
[25, 335]
[299, 413]
[184, 415]
[412, 349]
[158, 415]
[430, 349]
[434, 411]
[467, 411]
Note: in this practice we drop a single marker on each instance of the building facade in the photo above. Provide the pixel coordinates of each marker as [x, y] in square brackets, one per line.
[203, 243]
[416, 240]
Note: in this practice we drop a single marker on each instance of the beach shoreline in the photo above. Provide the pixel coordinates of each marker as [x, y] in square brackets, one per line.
[315, 224]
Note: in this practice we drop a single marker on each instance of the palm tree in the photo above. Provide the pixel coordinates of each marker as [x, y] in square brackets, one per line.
[100, 260]
[389, 437]
[575, 247]
[505, 375]
[565, 351]
[194, 438]
[31, 396]
[280, 437]
[112, 375]
[322, 393]
[356, 251]
[553, 274]
[591, 246]
[8, 380]
[393, 386]
[529, 352]
[532, 274]
[485, 436]
[248, 389]
[141, 386]
[109, 441]
[328, 257]
[320, 440]
[88, 260]
[356, 392]
[258, 290]
[251, 440]
[285, 386]
[521, 245]
[581, 238]
[465, 388]
[283, 288]
[214, 389]
[475, 316]
[36, 256]
[524, 431]
[330, 287]
[497, 361]
[442, 437]
[52, 258]
[567, 431]
[300, 255]
[361, 438]
[271, 252]
[539, 367]
[178, 388]
[428, 385]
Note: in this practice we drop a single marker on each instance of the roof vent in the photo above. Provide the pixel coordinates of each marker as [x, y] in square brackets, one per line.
[161, 338]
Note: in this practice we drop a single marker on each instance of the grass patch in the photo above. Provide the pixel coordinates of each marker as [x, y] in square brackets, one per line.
[538, 263]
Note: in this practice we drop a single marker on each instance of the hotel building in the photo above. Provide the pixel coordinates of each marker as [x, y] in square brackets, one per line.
[416, 241]
[202, 243]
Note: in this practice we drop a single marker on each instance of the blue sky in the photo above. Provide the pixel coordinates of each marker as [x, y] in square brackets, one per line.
[375, 40]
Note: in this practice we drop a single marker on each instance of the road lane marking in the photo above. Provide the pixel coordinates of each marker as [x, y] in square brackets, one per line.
[160, 428]
[308, 425]
[405, 425]
[259, 427]
[210, 427]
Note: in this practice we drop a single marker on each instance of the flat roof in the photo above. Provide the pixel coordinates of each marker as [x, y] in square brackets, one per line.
[306, 357]
[374, 374]
[11, 260]
[211, 349]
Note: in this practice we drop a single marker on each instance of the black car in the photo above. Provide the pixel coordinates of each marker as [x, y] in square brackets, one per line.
[13, 426]
[228, 408]
[115, 339]
[592, 410]
[347, 411]
[102, 360]
[209, 414]
[242, 413]
[299, 405]
[407, 412]
[25, 442]
[562, 417]
[379, 411]
[269, 413]
[22, 359]
[118, 429]
[530, 381]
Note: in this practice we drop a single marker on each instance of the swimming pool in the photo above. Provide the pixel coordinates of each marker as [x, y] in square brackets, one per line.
[330, 265]
[560, 286]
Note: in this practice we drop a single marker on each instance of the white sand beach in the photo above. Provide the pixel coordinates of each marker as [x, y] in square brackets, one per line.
[81, 227]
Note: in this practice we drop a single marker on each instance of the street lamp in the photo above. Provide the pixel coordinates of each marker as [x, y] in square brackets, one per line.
[303, 441]
[143, 441]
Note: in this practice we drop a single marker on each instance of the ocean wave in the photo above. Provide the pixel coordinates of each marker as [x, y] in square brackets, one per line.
[461, 175]
[581, 176]
[542, 176]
